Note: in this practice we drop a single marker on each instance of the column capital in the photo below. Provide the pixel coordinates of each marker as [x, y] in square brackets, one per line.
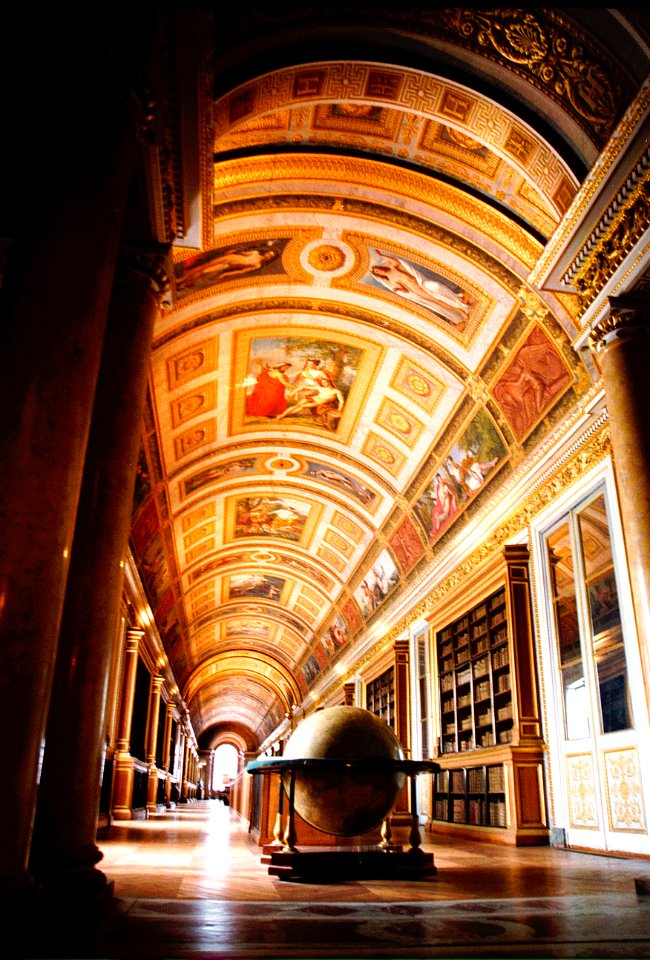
[628, 318]
[133, 637]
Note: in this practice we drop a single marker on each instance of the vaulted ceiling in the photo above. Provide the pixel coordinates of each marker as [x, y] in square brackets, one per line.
[352, 361]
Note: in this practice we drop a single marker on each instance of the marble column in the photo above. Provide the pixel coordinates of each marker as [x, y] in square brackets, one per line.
[64, 848]
[56, 293]
[123, 776]
[621, 343]
[152, 742]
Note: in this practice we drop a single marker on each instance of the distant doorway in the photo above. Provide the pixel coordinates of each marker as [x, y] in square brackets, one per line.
[226, 763]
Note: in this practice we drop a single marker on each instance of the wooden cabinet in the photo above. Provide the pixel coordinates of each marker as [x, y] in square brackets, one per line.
[490, 744]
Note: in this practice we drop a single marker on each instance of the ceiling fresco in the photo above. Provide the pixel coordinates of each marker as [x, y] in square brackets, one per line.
[352, 363]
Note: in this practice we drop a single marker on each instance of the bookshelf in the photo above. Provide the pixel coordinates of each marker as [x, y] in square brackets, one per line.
[471, 795]
[475, 680]
[490, 745]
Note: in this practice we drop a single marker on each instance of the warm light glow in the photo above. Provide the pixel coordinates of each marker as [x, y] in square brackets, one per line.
[225, 765]
[146, 617]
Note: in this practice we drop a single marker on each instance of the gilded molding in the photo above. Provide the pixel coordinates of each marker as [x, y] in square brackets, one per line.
[319, 310]
[549, 51]
[620, 228]
[544, 47]
[597, 176]
[376, 177]
[411, 107]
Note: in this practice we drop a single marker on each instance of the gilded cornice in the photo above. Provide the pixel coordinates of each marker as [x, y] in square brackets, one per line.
[592, 184]
[589, 450]
[617, 232]
[255, 172]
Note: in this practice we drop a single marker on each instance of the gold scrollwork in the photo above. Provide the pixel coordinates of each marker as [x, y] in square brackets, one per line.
[551, 54]
[614, 244]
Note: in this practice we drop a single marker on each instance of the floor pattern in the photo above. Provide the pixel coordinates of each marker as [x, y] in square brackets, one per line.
[189, 885]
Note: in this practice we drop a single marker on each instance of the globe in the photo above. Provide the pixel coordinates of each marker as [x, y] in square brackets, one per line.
[345, 800]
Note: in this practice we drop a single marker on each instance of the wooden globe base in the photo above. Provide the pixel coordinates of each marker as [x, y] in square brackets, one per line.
[332, 864]
[384, 860]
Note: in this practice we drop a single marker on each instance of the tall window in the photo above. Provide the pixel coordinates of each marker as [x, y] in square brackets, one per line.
[591, 652]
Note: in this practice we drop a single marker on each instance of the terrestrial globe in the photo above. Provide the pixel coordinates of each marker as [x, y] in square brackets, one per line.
[345, 799]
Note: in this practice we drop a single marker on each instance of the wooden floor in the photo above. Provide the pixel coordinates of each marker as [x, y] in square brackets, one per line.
[189, 884]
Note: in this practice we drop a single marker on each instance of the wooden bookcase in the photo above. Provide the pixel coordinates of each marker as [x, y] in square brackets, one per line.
[471, 795]
[490, 745]
[475, 679]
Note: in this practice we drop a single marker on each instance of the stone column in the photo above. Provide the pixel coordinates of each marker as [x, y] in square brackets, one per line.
[210, 774]
[152, 742]
[66, 820]
[56, 293]
[621, 343]
[123, 777]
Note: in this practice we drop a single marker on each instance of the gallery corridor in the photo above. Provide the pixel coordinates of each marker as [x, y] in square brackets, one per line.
[189, 884]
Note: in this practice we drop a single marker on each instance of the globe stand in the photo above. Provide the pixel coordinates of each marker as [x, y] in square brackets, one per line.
[328, 863]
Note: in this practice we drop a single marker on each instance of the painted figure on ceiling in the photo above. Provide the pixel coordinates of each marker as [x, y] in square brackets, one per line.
[206, 269]
[405, 280]
[532, 381]
[268, 396]
[314, 389]
[445, 505]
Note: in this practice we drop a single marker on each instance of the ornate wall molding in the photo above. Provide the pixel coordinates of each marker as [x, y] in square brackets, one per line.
[378, 178]
[614, 237]
[592, 184]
